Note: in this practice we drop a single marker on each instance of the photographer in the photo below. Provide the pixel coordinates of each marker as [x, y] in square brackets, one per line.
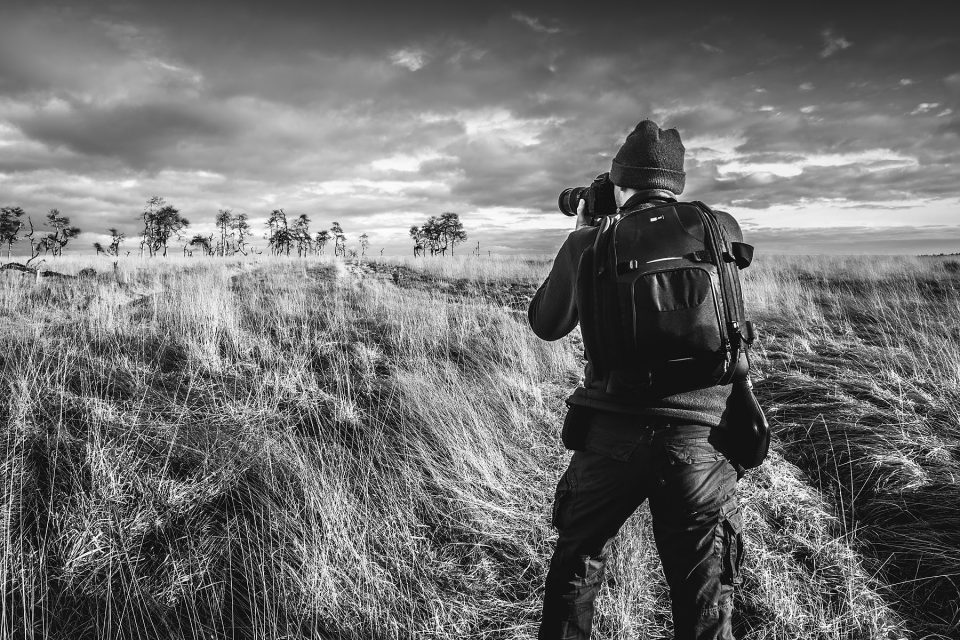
[648, 431]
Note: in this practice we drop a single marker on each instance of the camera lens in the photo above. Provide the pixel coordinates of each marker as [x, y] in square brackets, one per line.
[569, 199]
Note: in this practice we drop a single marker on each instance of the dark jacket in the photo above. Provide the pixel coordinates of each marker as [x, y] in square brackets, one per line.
[553, 314]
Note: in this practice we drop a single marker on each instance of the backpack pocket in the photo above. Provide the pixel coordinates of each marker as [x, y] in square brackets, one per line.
[674, 314]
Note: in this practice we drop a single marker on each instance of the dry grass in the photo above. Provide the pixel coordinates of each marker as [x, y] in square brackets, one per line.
[268, 451]
[471, 269]
[305, 449]
[862, 376]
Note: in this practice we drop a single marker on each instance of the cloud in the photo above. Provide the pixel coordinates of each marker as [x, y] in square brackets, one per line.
[790, 165]
[93, 61]
[502, 124]
[465, 52]
[952, 80]
[412, 59]
[833, 43]
[709, 48]
[905, 82]
[952, 130]
[534, 23]
[404, 162]
[882, 183]
[135, 133]
[924, 107]
[806, 86]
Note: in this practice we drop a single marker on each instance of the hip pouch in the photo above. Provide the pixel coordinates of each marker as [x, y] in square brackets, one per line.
[575, 427]
[747, 431]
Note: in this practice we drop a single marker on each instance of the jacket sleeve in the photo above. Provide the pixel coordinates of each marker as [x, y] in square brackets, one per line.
[553, 310]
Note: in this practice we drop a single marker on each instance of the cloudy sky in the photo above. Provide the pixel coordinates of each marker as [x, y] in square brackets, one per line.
[822, 131]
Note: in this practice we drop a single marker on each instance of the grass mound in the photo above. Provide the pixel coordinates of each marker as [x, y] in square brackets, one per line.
[270, 452]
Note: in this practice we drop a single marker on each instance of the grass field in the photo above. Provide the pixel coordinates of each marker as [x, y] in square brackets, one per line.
[284, 448]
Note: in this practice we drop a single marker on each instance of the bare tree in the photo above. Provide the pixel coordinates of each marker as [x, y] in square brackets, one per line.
[364, 243]
[10, 225]
[63, 232]
[339, 240]
[36, 244]
[241, 227]
[116, 239]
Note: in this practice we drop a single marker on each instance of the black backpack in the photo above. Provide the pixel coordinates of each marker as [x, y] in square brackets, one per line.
[661, 312]
[663, 309]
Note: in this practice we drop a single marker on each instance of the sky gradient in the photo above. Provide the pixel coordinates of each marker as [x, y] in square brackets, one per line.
[833, 130]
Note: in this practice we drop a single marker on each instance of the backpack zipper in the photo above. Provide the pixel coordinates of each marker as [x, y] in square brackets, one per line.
[662, 259]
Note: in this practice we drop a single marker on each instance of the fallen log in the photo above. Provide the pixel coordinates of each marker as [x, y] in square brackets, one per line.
[22, 268]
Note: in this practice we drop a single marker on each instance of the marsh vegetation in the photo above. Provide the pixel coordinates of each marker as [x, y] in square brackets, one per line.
[278, 447]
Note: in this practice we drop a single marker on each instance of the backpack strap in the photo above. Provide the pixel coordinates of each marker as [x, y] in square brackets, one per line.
[600, 243]
[595, 262]
[723, 258]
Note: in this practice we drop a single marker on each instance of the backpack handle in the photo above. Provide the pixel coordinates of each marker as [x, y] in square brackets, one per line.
[741, 253]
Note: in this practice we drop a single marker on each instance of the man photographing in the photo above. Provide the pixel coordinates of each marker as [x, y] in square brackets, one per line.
[653, 284]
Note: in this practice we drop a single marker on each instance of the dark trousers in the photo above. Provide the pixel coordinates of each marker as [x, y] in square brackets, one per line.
[696, 525]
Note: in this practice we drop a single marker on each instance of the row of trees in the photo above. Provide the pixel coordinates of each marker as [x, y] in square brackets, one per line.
[438, 234]
[162, 223]
[232, 233]
[283, 236]
[50, 243]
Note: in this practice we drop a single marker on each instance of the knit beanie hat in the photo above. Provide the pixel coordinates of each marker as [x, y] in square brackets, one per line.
[650, 158]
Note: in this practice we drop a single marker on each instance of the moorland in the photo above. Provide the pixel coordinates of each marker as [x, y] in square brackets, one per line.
[318, 448]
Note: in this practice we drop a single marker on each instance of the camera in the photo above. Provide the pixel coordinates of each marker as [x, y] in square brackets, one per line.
[598, 196]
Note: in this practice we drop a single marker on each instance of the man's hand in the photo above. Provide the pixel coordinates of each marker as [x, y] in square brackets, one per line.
[582, 220]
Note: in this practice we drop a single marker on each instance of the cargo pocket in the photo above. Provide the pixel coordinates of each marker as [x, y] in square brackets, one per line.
[561, 499]
[732, 548]
[691, 451]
